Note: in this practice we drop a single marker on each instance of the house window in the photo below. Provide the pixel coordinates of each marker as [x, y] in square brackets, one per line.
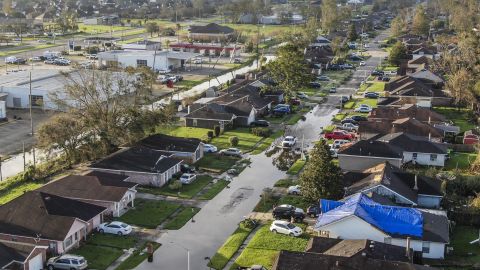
[425, 247]
[387, 240]
[68, 241]
[194, 122]
[37, 100]
[76, 236]
[414, 155]
[433, 157]
[141, 63]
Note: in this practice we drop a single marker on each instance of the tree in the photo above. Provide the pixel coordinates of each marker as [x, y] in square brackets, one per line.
[398, 26]
[321, 179]
[420, 22]
[352, 33]
[397, 54]
[7, 7]
[289, 70]
[152, 27]
[329, 15]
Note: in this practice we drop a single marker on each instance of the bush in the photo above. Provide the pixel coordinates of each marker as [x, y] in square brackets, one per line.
[216, 130]
[175, 185]
[210, 134]
[234, 141]
[261, 132]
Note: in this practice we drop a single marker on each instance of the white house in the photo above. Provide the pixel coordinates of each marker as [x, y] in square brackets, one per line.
[359, 217]
[157, 60]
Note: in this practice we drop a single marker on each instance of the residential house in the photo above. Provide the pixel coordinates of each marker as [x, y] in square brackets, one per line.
[143, 45]
[418, 63]
[370, 129]
[422, 230]
[38, 218]
[428, 77]
[211, 32]
[144, 166]
[227, 50]
[17, 256]
[396, 185]
[116, 196]
[209, 116]
[188, 149]
[411, 86]
[319, 54]
[424, 115]
[401, 101]
[396, 148]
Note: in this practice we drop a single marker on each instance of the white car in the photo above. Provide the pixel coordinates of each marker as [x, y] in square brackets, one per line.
[362, 63]
[197, 60]
[285, 227]
[209, 148]
[164, 71]
[334, 152]
[231, 152]
[289, 141]
[67, 261]
[115, 227]
[363, 108]
[366, 45]
[302, 95]
[337, 143]
[187, 178]
[35, 59]
[294, 190]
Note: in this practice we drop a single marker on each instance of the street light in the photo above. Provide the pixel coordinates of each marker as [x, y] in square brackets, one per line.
[188, 253]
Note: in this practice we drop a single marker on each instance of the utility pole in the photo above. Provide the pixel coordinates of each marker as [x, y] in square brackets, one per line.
[24, 161]
[258, 50]
[30, 105]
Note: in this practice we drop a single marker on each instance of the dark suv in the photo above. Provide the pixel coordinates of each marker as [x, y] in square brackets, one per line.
[286, 211]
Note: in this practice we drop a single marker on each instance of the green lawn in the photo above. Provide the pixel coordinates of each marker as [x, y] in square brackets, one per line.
[340, 116]
[101, 28]
[266, 205]
[189, 83]
[228, 249]
[216, 162]
[460, 117]
[296, 167]
[375, 87]
[136, 258]
[294, 119]
[25, 49]
[265, 245]
[372, 102]
[186, 191]
[459, 160]
[181, 218]
[460, 241]
[9, 193]
[214, 190]
[113, 241]
[148, 213]
[329, 128]
[285, 182]
[265, 143]
[98, 257]
[338, 77]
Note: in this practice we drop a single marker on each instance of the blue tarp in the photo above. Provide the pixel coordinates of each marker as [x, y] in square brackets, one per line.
[392, 220]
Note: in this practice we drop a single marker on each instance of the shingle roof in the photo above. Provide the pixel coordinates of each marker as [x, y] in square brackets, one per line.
[372, 148]
[8, 255]
[36, 213]
[170, 143]
[112, 179]
[408, 110]
[211, 111]
[412, 143]
[84, 187]
[138, 159]
[211, 28]
[407, 125]
[411, 86]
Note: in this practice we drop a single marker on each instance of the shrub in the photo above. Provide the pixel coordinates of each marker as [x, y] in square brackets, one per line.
[175, 185]
[216, 130]
[233, 140]
[210, 134]
[261, 131]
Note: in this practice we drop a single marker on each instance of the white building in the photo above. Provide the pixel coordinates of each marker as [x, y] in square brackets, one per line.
[162, 60]
[144, 45]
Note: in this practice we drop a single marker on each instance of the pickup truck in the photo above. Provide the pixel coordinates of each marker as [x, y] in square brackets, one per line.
[289, 141]
[348, 126]
[339, 135]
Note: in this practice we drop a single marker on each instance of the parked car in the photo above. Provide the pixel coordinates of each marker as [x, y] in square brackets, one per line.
[332, 90]
[295, 101]
[49, 61]
[349, 127]
[260, 123]
[289, 141]
[282, 109]
[286, 211]
[237, 61]
[197, 60]
[385, 79]
[67, 261]
[285, 227]
[334, 152]
[339, 135]
[337, 143]
[187, 178]
[349, 120]
[253, 267]
[348, 66]
[315, 84]
[363, 108]
[35, 59]
[377, 73]
[209, 148]
[366, 45]
[323, 78]
[302, 95]
[232, 171]
[231, 152]
[362, 63]
[294, 190]
[313, 210]
[359, 118]
[164, 71]
[115, 227]
[62, 62]
[371, 95]
[345, 99]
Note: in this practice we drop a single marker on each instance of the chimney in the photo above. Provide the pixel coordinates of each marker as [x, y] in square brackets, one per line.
[415, 187]
[430, 136]
[407, 248]
[188, 109]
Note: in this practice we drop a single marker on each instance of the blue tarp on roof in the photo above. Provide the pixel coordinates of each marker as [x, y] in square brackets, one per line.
[392, 220]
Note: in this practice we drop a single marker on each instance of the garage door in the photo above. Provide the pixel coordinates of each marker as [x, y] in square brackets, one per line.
[36, 263]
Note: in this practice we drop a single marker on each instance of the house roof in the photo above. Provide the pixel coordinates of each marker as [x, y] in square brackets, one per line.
[408, 125]
[427, 76]
[293, 260]
[420, 60]
[357, 248]
[393, 178]
[112, 179]
[412, 143]
[211, 28]
[211, 111]
[9, 255]
[170, 143]
[84, 187]
[407, 110]
[39, 214]
[372, 148]
[138, 159]
[411, 86]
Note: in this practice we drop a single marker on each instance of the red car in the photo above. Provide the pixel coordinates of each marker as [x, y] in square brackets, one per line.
[339, 135]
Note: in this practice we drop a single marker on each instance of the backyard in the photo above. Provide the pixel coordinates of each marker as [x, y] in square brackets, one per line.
[460, 161]
[459, 116]
[463, 251]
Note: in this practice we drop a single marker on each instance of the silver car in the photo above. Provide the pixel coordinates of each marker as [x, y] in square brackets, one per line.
[66, 261]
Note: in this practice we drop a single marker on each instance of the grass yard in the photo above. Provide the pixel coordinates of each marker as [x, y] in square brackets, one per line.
[214, 190]
[460, 117]
[372, 102]
[98, 257]
[228, 249]
[101, 28]
[10, 192]
[149, 214]
[461, 161]
[216, 162]
[460, 241]
[265, 245]
[112, 241]
[24, 49]
[329, 128]
[266, 30]
[375, 87]
[265, 143]
[186, 191]
[285, 183]
[185, 214]
[338, 76]
[294, 118]
[340, 116]
[189, 83]
[296, 167]
[136, 258]
[266, 205]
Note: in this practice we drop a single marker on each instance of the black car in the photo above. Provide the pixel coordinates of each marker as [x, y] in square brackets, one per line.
[313, 210]
[315, 84]
[371, 95]
[345, 99]
[185, 168]
[286, 211]
[358, 118]
[385, 79]
[349, 120]
[260, 123]
[377, 73]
